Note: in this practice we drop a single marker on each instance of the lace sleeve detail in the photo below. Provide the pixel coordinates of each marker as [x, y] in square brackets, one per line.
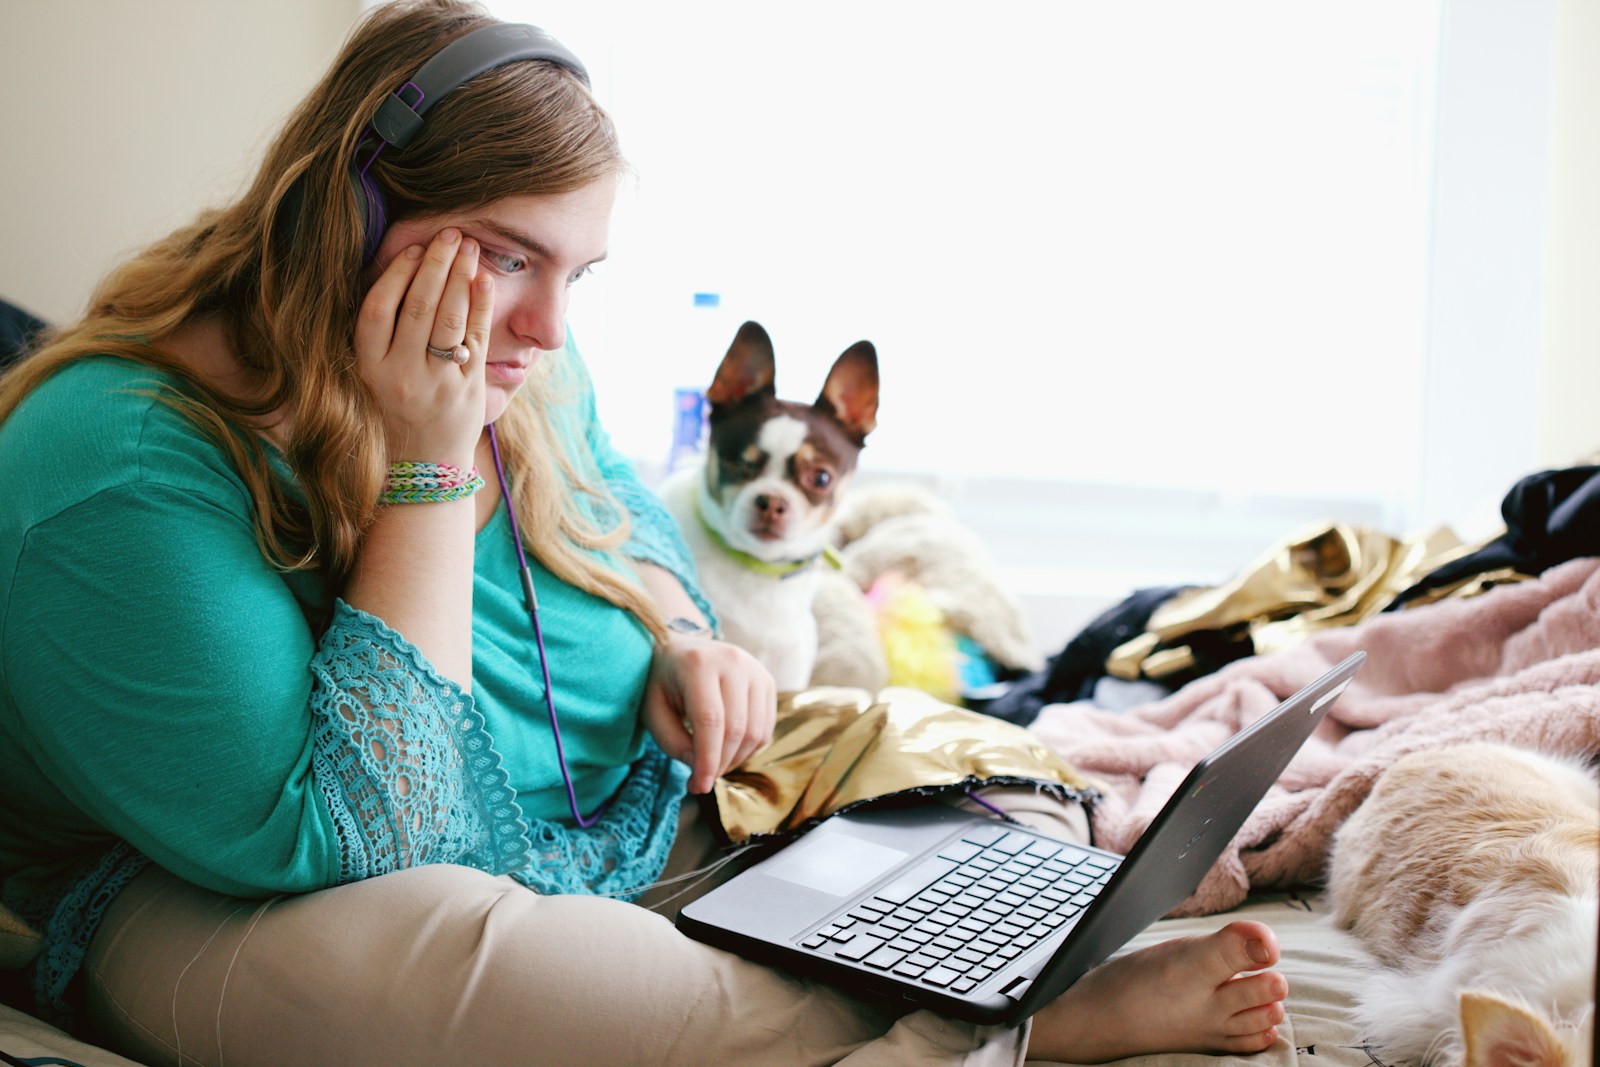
[402, 759]
[626, 850]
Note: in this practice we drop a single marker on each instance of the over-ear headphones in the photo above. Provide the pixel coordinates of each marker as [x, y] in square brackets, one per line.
[399, 117]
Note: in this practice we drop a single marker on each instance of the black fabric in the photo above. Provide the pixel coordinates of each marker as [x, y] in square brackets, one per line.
[17, 330]
[1071, 675]
[1551, 517]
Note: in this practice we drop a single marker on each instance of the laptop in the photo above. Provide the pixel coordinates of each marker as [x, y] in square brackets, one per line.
[982, 919]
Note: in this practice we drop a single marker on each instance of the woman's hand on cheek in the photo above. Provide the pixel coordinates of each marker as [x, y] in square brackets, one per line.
[708, 704]
[432, 407]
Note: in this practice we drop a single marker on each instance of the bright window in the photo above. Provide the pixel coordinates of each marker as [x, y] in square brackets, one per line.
[1149, 243]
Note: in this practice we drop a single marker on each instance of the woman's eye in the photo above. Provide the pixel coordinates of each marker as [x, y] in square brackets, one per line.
[581, 272]
[503, 262]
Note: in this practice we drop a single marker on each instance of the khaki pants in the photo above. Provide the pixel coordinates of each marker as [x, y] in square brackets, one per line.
[444, 965]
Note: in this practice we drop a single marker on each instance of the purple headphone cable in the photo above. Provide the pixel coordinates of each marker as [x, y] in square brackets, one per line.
[532, 601]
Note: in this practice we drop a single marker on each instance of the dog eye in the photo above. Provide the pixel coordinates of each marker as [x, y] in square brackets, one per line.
[821, 479]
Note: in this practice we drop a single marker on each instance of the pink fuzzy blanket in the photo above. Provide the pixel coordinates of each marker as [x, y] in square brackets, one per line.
[1518, 664]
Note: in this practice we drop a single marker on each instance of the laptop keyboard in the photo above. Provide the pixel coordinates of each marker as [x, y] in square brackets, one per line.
[957, 917]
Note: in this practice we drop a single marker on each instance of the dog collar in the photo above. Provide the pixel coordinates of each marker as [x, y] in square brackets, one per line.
[785, 569]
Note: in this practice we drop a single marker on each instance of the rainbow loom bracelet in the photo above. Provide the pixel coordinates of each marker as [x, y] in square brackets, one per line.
[428, 483]
[428, 475]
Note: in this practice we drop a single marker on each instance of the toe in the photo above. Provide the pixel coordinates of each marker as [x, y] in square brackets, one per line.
[1245, 945]
[1252, 991]
[1255, 1020]
[1249, 1044]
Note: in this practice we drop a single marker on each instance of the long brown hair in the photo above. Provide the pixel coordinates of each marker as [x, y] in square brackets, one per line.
[281, 269]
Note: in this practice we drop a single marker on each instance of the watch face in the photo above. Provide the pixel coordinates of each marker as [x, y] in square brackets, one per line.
[687, 626]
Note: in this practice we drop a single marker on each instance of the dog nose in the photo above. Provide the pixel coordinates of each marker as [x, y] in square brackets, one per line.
[772, 507]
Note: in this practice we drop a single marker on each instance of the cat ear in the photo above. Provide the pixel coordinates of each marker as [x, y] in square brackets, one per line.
[1501, 1034]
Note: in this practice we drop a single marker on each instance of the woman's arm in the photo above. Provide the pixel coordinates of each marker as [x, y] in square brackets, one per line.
[414, 570]
[708, 704]
[670, 595]
[168, 685]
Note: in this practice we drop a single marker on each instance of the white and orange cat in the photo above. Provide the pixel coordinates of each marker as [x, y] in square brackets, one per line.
[1471, 873]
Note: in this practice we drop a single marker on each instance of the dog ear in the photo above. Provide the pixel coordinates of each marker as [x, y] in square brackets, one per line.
[746, 370]
[851, 392]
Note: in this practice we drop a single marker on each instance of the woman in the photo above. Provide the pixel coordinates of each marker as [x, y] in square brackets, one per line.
[278, 775]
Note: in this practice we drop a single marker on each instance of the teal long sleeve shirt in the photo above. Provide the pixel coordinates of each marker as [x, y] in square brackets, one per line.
[162, 685]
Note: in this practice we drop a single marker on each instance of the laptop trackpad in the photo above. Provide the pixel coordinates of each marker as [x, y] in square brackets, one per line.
[835, 863]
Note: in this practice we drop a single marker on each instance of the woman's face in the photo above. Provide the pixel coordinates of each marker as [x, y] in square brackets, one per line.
[534, 247]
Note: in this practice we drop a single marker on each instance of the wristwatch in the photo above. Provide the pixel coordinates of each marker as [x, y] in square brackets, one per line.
[681, 625]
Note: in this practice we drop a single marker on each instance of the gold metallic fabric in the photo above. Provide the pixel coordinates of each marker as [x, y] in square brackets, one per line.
[836, 747]
[1326, 575]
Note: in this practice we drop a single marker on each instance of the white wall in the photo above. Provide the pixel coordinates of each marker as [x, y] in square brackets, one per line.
[1514, 344]
[1479, 430]
[1569, 387]
[123, 119]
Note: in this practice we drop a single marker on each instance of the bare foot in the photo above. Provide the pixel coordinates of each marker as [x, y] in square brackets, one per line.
[1188, 995]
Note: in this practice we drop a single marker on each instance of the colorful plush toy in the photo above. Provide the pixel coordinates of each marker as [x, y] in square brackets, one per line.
[926, 586]
[918, 646]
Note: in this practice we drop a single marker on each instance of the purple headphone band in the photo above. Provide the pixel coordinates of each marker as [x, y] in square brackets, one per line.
[399, 117]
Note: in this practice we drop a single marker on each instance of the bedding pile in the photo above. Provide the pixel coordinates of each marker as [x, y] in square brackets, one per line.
[1519, 664]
